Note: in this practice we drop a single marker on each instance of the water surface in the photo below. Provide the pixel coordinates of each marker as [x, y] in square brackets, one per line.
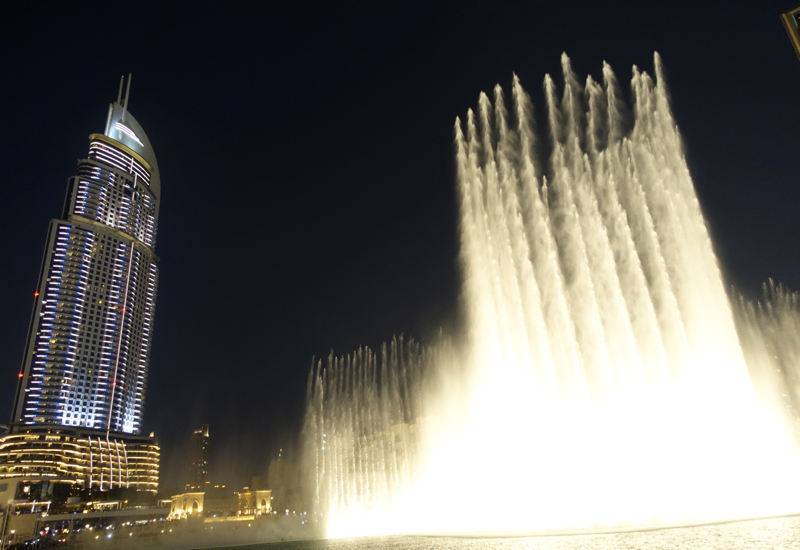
[778, 533]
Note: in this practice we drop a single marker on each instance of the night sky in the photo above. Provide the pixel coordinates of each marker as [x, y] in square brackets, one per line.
[306, 157]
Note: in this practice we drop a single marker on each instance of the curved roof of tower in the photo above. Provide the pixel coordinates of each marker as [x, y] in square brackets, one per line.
[122, 127]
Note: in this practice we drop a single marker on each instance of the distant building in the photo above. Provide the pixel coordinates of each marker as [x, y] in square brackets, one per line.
[222, 505]
[259, 483]
[198, 460]
[187, 505]
[791, 20]
[81, 389]
[283, 479]
[254, 502]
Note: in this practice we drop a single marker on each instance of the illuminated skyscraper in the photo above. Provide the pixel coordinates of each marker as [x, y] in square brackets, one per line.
[88, 349]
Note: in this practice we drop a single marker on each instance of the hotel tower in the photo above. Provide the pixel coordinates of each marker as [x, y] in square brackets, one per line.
[81, 390]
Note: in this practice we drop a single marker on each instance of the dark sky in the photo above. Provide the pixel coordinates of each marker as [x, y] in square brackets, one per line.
[307, 169]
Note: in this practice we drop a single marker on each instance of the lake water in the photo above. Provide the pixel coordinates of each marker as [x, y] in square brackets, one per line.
[772, 534]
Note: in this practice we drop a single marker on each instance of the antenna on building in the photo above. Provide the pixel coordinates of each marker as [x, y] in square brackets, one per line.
[119, 94]
[111, 107]
[108, 118]
[127, 92]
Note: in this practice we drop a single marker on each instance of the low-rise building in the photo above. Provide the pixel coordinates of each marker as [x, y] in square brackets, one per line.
[81, 457]
[254, 502]
[187, 505]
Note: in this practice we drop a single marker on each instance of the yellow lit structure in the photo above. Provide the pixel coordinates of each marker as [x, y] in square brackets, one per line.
[81, 457]
[187, 505]
[791, 20]
[248, 504]
[254, 502]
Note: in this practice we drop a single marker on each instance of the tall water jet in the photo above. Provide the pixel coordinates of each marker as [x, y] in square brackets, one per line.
[601, 381]
[769, 330]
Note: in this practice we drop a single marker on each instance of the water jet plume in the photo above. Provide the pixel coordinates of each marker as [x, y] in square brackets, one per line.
[600, 381]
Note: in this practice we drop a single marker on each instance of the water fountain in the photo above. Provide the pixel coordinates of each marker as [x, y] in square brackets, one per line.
[601, 382]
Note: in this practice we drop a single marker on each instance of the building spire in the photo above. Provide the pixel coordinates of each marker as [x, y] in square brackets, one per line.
[127, 93]
[119, 94]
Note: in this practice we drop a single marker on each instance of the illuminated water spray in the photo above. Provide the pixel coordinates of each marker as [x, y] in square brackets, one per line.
[601, 381]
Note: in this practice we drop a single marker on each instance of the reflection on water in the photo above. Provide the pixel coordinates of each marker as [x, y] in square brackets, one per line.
[779, 533]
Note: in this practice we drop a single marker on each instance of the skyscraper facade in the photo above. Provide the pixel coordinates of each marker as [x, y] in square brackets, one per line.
[88, 348]
[198, 460]
[87, 353]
